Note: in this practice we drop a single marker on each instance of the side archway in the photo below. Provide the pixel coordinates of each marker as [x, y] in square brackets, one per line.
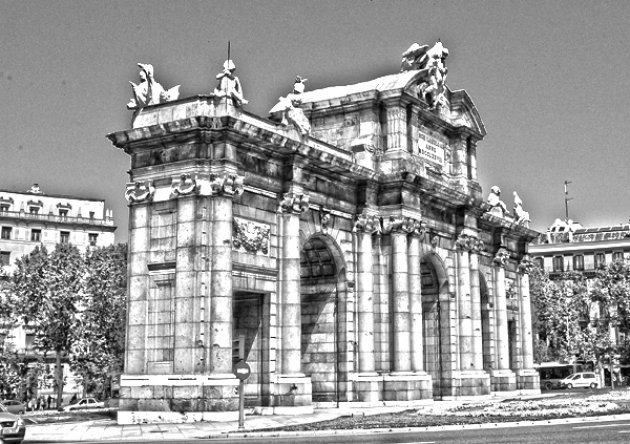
[436, 300]
[323, 289]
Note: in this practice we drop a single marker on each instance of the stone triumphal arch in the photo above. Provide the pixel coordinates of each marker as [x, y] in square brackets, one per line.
[342, 247]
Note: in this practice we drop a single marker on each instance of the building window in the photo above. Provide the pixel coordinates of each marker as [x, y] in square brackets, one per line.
[33, 210]
[600, 260]
[93, 238]
[63, 212]
[558, 263]
[617, 256]
[91, 214]
[6, 232]
[5, 207]
[36, 235]
[540, 262]
[65, 237]
[5, 258]
[578, 262]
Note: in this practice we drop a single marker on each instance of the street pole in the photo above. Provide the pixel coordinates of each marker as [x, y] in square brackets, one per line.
[241, 404]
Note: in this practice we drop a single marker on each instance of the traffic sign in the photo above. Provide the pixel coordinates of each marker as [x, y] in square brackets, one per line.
[242, 370]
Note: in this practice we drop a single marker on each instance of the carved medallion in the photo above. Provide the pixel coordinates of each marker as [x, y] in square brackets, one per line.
[250, 237]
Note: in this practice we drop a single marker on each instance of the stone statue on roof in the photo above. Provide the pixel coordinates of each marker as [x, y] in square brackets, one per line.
[288, 108]
[149, 91]
[521, 216]
[497, 206]
[431, 64]
[230, 85]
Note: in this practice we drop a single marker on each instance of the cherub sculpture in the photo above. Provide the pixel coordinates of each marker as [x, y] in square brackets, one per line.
[431, 63]
[230, 85]
[521, 216]
[288, 108]
[497, 206]
[149, 91]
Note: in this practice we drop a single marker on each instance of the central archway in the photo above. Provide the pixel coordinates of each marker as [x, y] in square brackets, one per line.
[324, 342]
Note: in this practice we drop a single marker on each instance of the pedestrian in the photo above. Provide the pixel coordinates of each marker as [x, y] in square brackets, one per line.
[48, 401]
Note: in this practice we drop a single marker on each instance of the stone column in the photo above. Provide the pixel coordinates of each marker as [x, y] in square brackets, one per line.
[396, 127]
[412, 129]
[401, 310]
[472, 159]
[402, 384]
[293, 388]
[502, 378]
[466, 351]
[475, 299]
[224, 188]
[368, 386]
[415, 298]
[527, 377]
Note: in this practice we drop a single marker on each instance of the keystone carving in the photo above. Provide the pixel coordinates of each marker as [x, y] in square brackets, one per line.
[368, 223]
[139, 191]
[226, 185]
[294, 203]
[526, 265]
[501, 257]
[325, 219]
[187, 184]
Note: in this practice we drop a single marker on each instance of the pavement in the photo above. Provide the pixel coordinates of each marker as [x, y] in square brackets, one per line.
[109, 430]
[255, 425]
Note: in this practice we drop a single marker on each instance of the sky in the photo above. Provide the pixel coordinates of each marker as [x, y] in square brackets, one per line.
[550, 80]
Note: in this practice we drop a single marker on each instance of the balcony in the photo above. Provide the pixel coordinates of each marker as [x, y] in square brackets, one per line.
[55, 219]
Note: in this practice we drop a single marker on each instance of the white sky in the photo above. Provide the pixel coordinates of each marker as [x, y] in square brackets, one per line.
[550, 80]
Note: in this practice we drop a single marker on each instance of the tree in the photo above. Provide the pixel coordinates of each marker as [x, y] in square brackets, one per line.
[48, 291]
[99, 352]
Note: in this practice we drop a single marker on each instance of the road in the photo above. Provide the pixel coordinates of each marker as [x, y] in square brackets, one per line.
[608, 431]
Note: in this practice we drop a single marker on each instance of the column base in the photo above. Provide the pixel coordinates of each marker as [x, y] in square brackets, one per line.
[176, 398]
[293, 391]
[465, 384]
[502, 380]
[407, 386]
[368, 387]
[527, 379]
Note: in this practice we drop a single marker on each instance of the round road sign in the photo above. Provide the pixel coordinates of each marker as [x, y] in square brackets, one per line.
[242, 370]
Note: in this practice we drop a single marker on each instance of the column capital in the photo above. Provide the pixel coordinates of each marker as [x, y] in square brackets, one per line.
[526, 266]
[185, 185]
[226, 184]
[466, 242]
[138, 192]
[368, 223]
[397, 223]
[501, 257]
[294, 203]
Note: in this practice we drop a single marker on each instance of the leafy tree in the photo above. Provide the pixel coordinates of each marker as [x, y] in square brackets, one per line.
[584, 318]
[99, 351]
[48, 291]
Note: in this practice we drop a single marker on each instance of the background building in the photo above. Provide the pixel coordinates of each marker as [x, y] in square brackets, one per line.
[567, 246]
[32, 218]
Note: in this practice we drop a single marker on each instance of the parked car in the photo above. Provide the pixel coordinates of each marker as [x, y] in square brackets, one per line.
[84, 403]
[13, 406]
[12, 429]
[582, 379]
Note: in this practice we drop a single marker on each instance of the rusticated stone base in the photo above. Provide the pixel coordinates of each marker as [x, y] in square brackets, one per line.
[503, 380]
[527, 379]
[466, 384]
[407, 387]
[181, 394]
[293, 391]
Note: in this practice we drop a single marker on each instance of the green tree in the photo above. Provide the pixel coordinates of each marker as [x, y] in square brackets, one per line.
[99, 351]
[48, 292]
